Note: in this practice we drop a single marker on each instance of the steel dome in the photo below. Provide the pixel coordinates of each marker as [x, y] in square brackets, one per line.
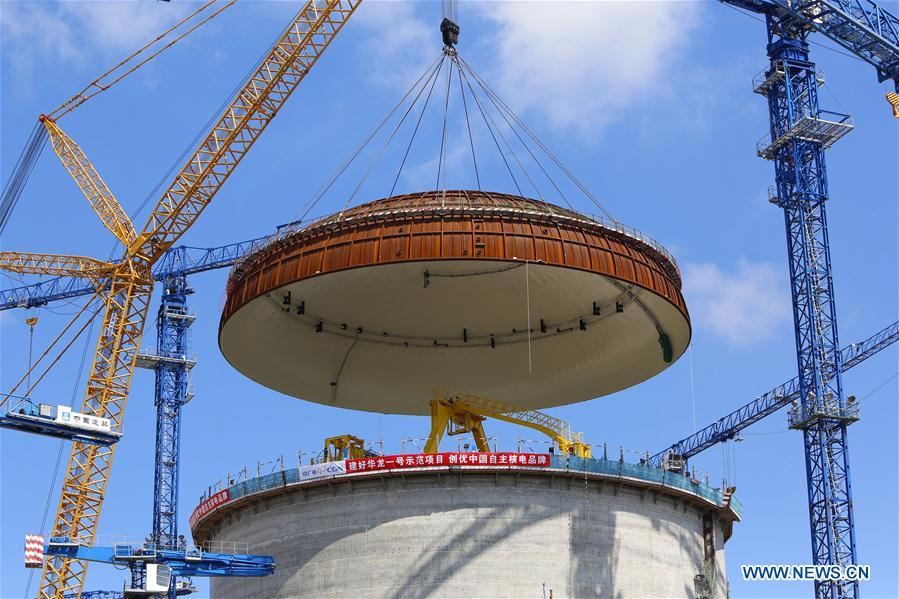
[503, 296]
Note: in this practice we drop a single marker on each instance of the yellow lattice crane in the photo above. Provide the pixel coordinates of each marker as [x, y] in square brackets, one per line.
[126, 285]
[460, 414]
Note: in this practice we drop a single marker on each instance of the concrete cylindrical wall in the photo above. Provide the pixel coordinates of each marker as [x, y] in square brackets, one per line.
[479, 534]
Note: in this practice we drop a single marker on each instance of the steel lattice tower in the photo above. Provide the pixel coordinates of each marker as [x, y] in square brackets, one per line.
[800, 133]
[172, 366]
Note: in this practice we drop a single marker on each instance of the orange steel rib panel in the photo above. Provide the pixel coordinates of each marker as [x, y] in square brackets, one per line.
[470, 225]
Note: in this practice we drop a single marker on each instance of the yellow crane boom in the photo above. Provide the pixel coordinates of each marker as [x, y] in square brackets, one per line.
[130, 281]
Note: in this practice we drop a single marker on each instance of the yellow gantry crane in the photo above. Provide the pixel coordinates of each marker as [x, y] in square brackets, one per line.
[460, 414]
[126, 285]
[344, 447]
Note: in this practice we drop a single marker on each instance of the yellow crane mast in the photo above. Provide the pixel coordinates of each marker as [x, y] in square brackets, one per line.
[127, 284]
[459, 414]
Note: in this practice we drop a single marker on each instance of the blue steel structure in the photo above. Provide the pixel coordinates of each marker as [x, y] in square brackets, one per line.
[183, 562]
[861, 26]
[23, 414]
[184, 260]
[800, 132]
[172, 364]
[172, 369]
[729, 426]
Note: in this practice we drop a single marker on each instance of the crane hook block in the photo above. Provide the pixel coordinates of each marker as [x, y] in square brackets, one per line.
[450, 32]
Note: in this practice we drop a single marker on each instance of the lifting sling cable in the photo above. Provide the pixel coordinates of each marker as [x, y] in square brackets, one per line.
[504, 108]
[496, 116]
[22, 170]
[523, 144]
[27, 375]
[426, 77]
[397, 128]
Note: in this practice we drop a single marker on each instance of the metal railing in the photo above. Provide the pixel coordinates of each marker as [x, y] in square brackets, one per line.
[299, 227]
[616, 468]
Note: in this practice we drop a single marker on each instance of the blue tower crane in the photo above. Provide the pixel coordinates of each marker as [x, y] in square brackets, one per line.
[799, 134]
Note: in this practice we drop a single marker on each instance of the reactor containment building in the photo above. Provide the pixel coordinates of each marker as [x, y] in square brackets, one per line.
[510, 298]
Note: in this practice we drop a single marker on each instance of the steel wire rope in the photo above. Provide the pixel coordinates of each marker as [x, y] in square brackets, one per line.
[417, 125]
[64, 350]
[39, 134]
[388, 141]
[539, 142]
[340, 170]
[449, 80]
[21, 172]
[518, 162]
[53, 478]
[526, 147]
[487, 124]
[692, 390]
[474, 158]
[53, 343]
[527, 293]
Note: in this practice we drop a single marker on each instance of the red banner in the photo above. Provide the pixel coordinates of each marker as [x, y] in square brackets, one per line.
[429, 460]
[209, 504]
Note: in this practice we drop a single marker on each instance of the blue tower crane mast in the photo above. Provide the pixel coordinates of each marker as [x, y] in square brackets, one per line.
[799, 134]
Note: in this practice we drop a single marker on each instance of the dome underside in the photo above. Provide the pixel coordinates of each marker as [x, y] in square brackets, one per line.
[377, 310]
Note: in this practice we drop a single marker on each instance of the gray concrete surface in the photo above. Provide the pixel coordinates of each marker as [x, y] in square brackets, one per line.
[473, 535]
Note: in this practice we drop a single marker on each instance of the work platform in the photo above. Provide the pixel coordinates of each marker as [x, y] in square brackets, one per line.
[826, 129]
[150, 359]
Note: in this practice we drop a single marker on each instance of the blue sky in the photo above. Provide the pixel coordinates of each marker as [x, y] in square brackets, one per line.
[650, 104]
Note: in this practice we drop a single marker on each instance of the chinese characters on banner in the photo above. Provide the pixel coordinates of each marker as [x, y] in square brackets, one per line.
[389, 462]
[208, 505]
[425, 460]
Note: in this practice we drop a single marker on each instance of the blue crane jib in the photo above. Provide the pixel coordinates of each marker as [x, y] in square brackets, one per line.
[179, 562]
[861, 26]
[727, 427]
[181, 260]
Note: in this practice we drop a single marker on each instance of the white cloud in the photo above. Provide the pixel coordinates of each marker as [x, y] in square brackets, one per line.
[74, 33]
[580, 64]
[399, 45]
[745, 306]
